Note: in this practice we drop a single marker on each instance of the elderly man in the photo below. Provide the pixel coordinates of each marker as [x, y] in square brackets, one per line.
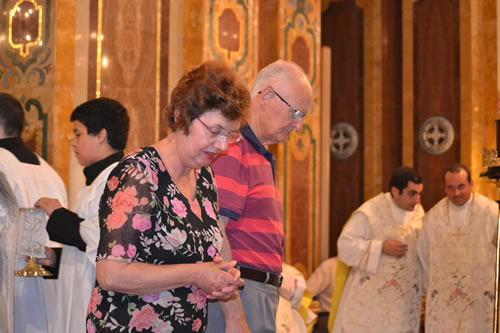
[30, 178]
[382, 291]
[249, 199]
[457, 250]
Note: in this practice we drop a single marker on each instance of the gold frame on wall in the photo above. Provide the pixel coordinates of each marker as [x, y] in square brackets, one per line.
[24, 49]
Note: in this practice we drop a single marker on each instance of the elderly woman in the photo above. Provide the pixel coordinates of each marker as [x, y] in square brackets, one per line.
[157, 261]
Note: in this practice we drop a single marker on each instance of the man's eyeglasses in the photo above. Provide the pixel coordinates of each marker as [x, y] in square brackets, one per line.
[214, 133]
[294, 113]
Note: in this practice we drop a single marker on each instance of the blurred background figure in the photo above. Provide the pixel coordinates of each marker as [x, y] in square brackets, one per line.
[293, 314]
[9, 229]
[30, 178]
[320, 285]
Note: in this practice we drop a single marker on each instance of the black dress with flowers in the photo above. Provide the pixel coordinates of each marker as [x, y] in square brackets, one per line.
[144, 218]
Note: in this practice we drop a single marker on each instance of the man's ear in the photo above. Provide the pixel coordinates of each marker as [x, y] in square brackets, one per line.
[264, 95]
[394, 191]
[102, 136]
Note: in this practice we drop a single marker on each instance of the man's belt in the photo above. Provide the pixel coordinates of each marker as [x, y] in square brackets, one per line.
[261, 276]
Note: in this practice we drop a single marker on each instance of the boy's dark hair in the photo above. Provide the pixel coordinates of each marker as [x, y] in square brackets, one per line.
[11, 115]
[455, 168]
[106, 113]
[402, 176]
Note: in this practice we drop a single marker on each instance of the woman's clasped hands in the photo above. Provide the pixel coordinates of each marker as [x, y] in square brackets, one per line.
[219, 279]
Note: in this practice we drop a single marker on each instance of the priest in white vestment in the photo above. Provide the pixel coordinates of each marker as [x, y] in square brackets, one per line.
[457, 250]
[100, 128]
[9, 230]
[30, 178]
[383, 292]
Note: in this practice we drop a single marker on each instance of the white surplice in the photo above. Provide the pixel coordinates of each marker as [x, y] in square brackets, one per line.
[77, 270]
[9, 230]
[34, 297]
[382, 293]
[321, 282]
[457, 251]
[288, 317]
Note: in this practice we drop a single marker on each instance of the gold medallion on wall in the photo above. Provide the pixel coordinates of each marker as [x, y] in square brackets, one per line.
[230, 35]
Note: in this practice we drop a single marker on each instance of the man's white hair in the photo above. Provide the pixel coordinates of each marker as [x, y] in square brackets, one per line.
[280, 70]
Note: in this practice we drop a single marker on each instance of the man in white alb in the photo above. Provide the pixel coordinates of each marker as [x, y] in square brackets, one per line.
[30, 178]
[457, 252]
[382, 291]
[100, 128]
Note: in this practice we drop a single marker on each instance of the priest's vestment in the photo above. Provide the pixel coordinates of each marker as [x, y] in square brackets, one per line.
[382, 293]
[457, 251]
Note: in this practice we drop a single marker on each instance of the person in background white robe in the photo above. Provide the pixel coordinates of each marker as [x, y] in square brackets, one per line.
[9, 230]
[320, 284]
[100, 128]
[30, 178]
[288, 318]
[457, 250]
[382, 292]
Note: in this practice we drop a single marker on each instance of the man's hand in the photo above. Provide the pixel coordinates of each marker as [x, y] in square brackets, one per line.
[49, 260]
[394, 248]
[48, 205]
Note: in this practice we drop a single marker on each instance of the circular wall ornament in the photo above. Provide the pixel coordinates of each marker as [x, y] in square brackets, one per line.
[436, 135]
[343, 140]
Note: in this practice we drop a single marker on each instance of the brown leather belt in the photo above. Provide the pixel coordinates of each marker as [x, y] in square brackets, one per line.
[260, 276]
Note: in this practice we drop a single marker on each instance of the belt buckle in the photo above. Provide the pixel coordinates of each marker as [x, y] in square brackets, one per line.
[268, 276]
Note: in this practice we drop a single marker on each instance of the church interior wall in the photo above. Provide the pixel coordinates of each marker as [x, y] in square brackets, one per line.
[388, 66]
[418, 86]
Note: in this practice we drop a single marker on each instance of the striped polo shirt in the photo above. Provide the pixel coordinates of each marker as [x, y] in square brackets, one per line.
[250, 198]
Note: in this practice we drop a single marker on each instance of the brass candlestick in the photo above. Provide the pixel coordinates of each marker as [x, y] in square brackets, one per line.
[32, 269]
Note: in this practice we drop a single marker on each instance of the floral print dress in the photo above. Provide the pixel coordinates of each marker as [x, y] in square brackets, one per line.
[145, 218]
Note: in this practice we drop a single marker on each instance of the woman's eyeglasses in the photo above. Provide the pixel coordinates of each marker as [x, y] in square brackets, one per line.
[214, 133]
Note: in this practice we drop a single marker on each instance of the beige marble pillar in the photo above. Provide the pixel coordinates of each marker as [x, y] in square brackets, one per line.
[478, 72]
